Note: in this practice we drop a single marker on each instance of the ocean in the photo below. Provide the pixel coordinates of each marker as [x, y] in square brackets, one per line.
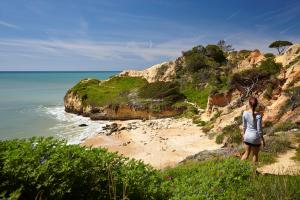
[31, 104]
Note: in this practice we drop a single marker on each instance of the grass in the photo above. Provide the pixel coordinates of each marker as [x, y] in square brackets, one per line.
[232, 133]
[214, 179]
[227, 179]
[197, 96]
[297, 156]
[63, 171]
[113, 91]
[285, 126]
[272, 187]
[294, 61]
[274, 145]
[189, 112]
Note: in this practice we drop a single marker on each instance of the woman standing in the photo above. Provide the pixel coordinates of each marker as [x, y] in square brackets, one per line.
[252, 123]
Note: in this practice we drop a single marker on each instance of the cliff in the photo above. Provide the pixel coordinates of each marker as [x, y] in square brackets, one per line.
[205, 77]
[121, 98]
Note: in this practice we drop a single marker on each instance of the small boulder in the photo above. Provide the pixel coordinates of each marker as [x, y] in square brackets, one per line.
[82, 125]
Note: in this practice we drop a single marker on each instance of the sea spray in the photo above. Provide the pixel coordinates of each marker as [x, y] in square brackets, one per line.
[68, 126]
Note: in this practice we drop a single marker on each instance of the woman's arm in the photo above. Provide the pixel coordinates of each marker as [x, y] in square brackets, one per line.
[259, 129]
[244, 123]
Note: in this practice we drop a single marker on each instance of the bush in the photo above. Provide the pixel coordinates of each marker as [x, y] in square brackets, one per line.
[269, 55]
[233, 134]
[197, 96]
[270, 66]
[112, 91]
[268, 124]
[285, 126]
[220, 138]
[168, 91]
[272, 187]
[215, 179]
[201, 57]
[277, 144]
[199, 122]
[60, 171]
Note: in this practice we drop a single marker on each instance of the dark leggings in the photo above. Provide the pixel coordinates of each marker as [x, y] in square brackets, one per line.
[252, 145]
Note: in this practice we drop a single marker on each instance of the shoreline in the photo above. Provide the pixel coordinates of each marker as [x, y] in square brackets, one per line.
[161, 143]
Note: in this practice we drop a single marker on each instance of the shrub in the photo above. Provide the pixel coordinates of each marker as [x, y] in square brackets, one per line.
[220, 138]
[270, 66]
[268, 124]
[277, 144]
[272, 187]
[214, 179]
[60, 171]
[199, 97]
[285, 126]
[112, 91]
[199, 122]
[269, 55]
[168, 91]
[233, 134]
[294, 61]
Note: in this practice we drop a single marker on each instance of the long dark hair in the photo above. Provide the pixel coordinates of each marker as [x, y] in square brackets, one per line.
[253, 103]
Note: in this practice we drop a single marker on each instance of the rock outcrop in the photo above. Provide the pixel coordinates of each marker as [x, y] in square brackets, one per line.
[283, 104]
[218, 100]
[289, 55]
[251, 61]
[74, 104]
[160, 72]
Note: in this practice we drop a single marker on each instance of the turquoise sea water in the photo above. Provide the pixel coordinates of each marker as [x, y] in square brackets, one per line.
[31, 104]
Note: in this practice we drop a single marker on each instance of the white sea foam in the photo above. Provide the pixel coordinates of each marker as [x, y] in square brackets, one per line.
[68, 125]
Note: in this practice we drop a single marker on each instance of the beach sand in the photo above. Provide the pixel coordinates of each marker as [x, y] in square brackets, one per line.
[161, 143]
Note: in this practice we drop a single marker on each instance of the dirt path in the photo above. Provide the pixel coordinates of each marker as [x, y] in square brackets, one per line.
[284, 165]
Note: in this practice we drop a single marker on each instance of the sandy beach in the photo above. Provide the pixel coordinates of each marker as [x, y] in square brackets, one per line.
[161, 143]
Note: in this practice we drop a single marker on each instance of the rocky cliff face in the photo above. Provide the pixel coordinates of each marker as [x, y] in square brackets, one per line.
[74, 104]
[160, 72]
[283, 105]
[278, 96]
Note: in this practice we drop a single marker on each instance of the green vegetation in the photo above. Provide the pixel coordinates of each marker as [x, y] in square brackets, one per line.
[270, 66]
[232, 133]
[271, 187]
[204, 57]
[168, 91]
[190, 110]
[199, 122]
[225, 47]
[285, 126]
[215, 179]
[255, 77]
[274, 145]
[50, 169]
[297, 156]
[294, 61]
[228, 179]
[280, 45]
[197, 96]
[113, 91]
[60, 171]
[269, 55]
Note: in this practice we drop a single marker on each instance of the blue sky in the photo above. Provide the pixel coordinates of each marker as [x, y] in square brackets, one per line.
[116, 35]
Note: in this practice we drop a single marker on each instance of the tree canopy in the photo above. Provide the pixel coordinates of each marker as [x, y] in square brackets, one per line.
[225, 47]
[280, 45]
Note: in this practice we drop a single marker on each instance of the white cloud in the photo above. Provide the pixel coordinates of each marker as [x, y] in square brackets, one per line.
[9, 25]
[97, 50]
